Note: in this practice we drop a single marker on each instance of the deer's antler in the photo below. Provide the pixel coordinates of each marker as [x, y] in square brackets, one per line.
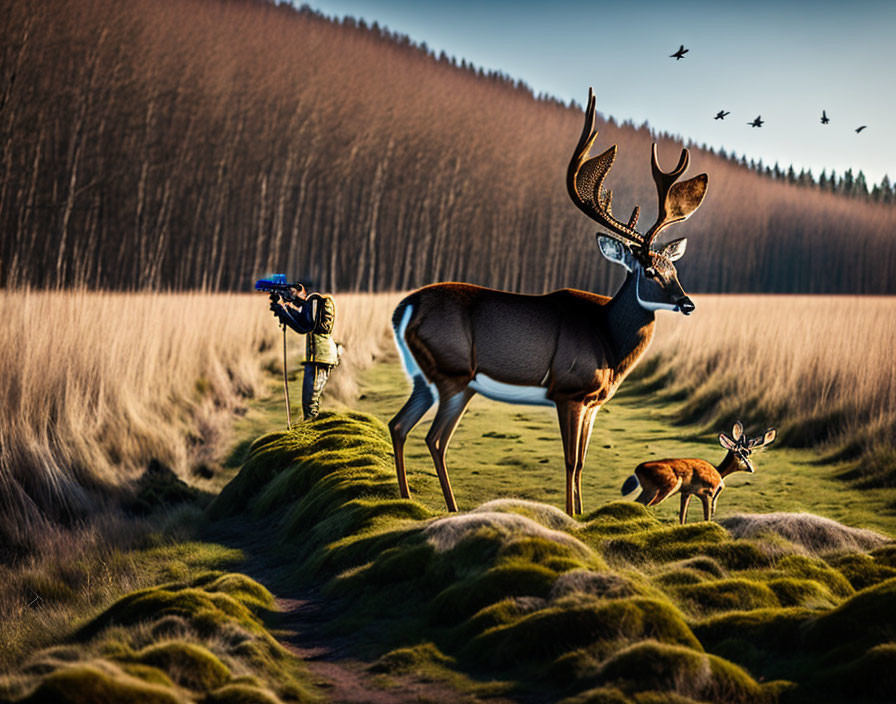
[676, 201]
[585, 178]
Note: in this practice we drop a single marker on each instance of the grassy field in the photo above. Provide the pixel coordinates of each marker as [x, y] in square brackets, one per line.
[821, 368]
[500, 450]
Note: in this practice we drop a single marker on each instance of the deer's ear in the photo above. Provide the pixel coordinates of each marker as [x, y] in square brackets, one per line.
[737, 430]
[675, 249]
[769, 436]
[614, 250]
[726, 442]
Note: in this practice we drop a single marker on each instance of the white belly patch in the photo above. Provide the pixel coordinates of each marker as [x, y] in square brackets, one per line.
[510, 393]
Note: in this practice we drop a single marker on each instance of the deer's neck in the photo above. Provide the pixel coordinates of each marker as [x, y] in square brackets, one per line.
[727, 465]
[630, 326]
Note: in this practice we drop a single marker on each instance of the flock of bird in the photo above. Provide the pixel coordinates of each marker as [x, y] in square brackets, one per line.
[758, 122]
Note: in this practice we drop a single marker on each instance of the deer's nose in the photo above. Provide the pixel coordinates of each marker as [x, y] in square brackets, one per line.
[685, 305]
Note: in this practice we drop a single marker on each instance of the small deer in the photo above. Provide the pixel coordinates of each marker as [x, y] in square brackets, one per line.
[660, 479]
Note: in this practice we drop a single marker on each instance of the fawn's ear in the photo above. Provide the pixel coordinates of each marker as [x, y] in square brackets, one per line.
[737, 431]
[766, 438]
[726, 442]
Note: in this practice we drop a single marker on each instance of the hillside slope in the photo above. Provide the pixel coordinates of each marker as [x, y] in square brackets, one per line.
[198, 143]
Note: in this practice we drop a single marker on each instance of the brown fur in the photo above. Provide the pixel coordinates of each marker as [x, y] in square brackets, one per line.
[578, 345]
[459, 330]
[660, 479]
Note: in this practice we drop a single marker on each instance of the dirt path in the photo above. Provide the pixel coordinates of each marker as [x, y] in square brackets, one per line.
[301, 627]
[345, 677]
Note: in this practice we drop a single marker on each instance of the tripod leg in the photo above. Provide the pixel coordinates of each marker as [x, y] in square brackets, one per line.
[286, 384]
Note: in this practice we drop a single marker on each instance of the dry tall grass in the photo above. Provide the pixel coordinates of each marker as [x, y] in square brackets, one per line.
[821, 368]
[95, 385]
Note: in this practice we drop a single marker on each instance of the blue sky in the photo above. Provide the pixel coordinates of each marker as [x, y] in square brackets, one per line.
[784, 60]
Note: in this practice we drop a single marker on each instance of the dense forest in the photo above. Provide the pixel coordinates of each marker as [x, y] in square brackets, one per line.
[179, 144]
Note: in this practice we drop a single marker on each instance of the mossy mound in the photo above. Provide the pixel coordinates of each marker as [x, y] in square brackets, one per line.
[862, 570]
[871, 677]
[518, 590]
[671, 668]
[579, 622]
[727, 595]
[89, 684]
[188, 664]
[177, 642]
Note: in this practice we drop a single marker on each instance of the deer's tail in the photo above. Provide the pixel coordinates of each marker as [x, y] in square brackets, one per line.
[630, 485]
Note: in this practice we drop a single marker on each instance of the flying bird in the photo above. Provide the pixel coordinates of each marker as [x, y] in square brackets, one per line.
[859, 129]
[757, 122]
[720, 115]
[680, 53]
[824, 118]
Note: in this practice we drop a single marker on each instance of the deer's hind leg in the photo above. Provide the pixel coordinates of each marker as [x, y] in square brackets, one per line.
[451, 408]
[571, 415]
[664, 491]
[422, 398]
[683, 513]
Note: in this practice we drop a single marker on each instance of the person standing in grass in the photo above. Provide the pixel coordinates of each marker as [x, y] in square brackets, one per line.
[314, 316]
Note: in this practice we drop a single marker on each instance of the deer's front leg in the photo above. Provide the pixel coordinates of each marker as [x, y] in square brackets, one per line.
[683, 513]
[707, 501]
[570, 415]
[584, 438]
[451, 408]
[715, 500]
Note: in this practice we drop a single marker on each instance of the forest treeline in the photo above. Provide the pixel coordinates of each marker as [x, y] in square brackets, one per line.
[178, 144]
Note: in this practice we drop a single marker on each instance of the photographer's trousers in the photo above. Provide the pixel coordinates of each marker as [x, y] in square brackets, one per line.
[313, 387]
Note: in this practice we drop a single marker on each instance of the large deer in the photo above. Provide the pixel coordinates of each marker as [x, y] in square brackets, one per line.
[570, 349]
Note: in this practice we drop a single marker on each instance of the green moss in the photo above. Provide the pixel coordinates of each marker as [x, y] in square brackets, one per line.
[205, 611]
[664, 667]
[801, 592]
[241, 694]
[619, 518]
[771, 630]
[702, 563]
[510, 578]
[188, 664]
[870, 677]
[599, 695]
[885, 555]
[241, 587]
[413, 659]
[867, 618]
[678, 577]
[677, 543]
[727, 595]
[862, 570]
[815, 569]
[151, 675]
[85, 684]
[580, 621]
